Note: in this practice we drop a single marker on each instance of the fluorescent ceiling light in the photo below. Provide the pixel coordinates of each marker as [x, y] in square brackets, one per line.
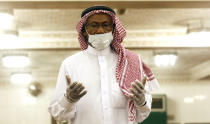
[199, 36]
[165, 59]
[188, 100]
[198, 39]
[6, 20]
[9, 39]
[21, 78]
[8, 35]
[200, 97]
[15, 61]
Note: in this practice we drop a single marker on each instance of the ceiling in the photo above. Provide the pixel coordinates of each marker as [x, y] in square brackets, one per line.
[155, 26]
[47, 35]
[132, 19]
[51, 24]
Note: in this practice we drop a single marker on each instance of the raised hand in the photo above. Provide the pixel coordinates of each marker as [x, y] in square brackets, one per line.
[74, 91]
[138, 92]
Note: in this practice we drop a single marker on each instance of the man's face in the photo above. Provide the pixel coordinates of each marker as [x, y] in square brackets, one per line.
[99, 24]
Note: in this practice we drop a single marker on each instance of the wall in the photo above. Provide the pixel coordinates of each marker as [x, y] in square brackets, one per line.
[193, 109]
[19, 107]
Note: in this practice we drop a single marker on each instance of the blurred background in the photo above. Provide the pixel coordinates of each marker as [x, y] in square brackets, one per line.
[173, 38]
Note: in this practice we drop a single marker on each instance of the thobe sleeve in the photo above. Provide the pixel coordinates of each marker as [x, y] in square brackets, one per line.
[60, 108]
[152, 83]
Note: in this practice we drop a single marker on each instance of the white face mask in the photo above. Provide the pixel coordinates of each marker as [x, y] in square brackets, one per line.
[100, 41]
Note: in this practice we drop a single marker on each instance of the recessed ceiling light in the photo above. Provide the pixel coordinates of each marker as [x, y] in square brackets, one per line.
[165, 59]
[6, 20]
[15, 61]
[188, 100]
[9, 39]
[200, 97]
[21, 78]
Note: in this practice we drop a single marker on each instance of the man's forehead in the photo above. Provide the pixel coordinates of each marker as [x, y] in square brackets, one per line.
[101, 17]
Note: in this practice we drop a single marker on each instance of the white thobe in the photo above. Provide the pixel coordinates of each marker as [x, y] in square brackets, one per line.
[104, 102]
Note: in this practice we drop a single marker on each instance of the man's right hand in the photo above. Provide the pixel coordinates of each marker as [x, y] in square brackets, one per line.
[74, 91]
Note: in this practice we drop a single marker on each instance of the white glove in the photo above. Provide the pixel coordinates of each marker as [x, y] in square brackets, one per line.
[75, 91]
[138, 93]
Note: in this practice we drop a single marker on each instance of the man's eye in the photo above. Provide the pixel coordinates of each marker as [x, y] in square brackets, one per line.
[105, 25]
[93, 25]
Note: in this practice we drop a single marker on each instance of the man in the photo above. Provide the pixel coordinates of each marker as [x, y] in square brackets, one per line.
[102, 84]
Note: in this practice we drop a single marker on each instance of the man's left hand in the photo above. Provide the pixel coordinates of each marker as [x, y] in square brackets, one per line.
[138, 92]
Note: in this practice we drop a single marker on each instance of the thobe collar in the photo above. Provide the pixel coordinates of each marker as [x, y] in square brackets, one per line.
[103, 52]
